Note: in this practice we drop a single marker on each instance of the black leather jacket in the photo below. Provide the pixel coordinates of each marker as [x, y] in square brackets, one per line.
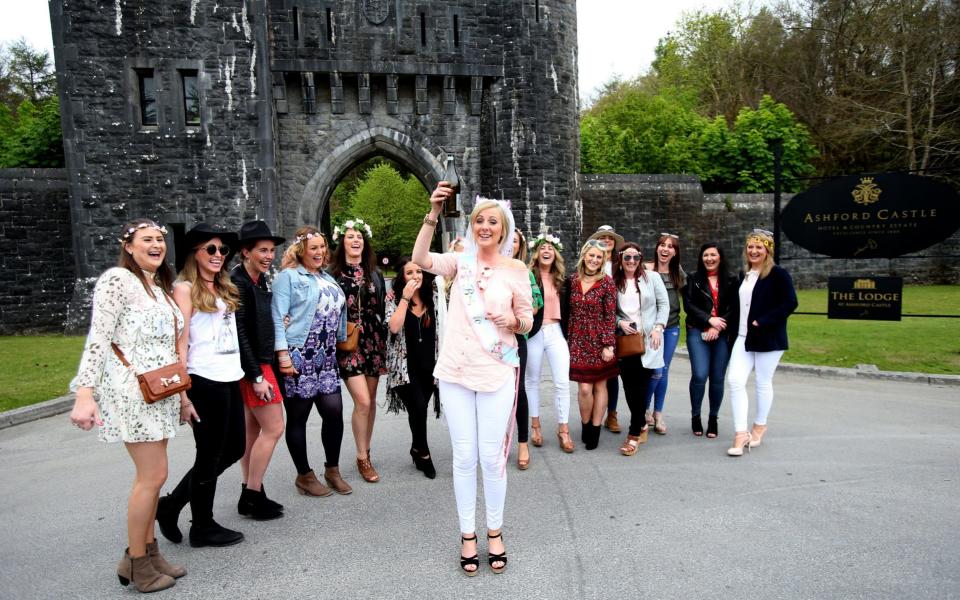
[254, 323]
[698, 303]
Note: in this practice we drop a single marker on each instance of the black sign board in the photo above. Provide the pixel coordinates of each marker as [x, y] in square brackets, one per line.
[878, 216]
[865, 298]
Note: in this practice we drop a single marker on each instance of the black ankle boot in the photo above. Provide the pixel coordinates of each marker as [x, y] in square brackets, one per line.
[245, 504]
[697, 425]
[711, 427]
[168, 513]
[268, 501]
[261, 509]
[585, 429]
[213, 534]
[423, 464]
[594, 439]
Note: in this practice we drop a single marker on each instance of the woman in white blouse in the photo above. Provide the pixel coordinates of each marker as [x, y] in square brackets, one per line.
[642, 309]
[132, 309]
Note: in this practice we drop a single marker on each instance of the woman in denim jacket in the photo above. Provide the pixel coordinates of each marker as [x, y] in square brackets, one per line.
[309, 317]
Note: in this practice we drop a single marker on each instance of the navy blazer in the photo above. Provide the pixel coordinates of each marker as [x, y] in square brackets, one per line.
[773, 300]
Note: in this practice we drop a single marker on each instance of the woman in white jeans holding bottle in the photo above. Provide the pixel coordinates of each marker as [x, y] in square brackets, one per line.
[767, 298]
[548, 269]
[490, 302]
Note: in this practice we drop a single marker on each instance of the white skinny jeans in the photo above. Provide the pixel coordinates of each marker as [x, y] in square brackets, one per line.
[741, 363]
[549, 340]
[478, 423]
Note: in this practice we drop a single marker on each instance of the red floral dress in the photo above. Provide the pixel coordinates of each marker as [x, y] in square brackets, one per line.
[591, 324]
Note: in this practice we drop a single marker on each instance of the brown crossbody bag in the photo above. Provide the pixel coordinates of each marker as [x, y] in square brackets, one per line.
[166, 381]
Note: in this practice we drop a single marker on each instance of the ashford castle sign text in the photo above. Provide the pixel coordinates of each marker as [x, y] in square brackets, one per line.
[880, 216]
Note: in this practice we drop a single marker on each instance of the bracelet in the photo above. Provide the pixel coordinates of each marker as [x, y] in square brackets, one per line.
[405, 298]
[428, 221]
[187, 403]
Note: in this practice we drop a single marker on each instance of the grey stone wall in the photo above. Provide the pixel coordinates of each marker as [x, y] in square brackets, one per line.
[37, 274]
[642, 206]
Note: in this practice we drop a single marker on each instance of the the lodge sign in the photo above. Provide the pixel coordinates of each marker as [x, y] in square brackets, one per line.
[879, 216]
[872, 298]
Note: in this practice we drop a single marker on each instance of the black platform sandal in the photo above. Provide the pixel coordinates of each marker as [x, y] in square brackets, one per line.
[466, 561]
[500, 558]
[697, 425]
[712, 427]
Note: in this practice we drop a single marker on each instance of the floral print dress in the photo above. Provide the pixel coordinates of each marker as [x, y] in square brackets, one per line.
[591, 324]
[370, 357]
[143, 329]
[316, 360]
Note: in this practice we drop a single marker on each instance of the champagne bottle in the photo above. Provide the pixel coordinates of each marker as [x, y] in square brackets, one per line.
[451, 206]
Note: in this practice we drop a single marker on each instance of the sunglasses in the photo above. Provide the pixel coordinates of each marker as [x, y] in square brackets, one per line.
[595, 244]
[213, 248]
[672, 235]
[631, 257]
[763, 231]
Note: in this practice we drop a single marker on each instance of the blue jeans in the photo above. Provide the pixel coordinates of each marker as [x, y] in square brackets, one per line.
[707, 359]
[657, 390]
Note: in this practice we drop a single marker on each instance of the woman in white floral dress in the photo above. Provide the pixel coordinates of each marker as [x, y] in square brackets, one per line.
[132, 308]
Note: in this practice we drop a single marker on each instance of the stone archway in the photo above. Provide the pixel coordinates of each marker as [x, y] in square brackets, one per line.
[383, 141]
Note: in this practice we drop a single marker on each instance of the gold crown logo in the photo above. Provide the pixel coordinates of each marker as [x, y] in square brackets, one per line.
[865, 284]
[866, 192]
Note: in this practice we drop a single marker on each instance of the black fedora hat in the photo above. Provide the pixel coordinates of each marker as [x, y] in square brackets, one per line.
[200, 233]
[252, 231]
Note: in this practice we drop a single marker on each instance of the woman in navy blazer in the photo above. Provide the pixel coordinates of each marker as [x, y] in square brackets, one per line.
[767, 298]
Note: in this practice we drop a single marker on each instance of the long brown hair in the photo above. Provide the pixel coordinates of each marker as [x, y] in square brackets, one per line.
[202, 298]
[676, 275]
[620, 276]
[368, 258]
[558, 271]
[164, 275]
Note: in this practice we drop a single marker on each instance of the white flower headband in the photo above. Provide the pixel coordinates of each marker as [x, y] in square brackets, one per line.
[546, 237]
[355, 224]
[127, 235]
[308, 236]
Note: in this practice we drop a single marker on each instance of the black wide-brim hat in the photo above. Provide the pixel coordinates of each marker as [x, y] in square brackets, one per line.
[252, 231]
[202, 232]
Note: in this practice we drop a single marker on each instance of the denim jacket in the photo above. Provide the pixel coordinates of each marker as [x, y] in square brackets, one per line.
[296, 293]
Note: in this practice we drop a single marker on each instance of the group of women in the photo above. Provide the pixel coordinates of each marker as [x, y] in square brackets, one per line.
[469, 328]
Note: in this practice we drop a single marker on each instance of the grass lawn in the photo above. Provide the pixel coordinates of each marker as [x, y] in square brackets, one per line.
[36, 368]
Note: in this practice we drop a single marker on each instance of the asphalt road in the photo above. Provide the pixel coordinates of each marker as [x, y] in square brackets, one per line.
[854, 494]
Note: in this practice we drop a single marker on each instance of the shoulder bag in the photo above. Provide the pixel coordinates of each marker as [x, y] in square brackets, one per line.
[352, 342]
[166, 381]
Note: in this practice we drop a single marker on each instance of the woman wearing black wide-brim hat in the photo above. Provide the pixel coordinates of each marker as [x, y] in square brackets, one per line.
[209, 301]
[262, 398]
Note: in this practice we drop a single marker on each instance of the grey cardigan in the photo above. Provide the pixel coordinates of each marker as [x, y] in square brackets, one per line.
[654, 309]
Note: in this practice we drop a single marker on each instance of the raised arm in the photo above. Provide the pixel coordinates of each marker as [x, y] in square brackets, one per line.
[421, 248]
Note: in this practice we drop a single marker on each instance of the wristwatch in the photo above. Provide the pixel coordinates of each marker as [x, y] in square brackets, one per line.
[258, 379]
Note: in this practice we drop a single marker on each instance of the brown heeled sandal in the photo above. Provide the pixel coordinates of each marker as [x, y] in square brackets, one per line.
[523, 464]
[563, 436]
[536, 436]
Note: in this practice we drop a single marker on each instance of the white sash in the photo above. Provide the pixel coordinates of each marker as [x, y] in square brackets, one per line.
[473, 304]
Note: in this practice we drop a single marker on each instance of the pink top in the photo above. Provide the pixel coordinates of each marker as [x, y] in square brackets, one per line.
[462, 360]
[551, 300]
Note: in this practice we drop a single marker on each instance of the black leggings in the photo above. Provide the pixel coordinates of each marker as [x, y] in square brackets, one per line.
[220, 438]
[416, 399]
[330, 407]
[523, 411]
[636, 380]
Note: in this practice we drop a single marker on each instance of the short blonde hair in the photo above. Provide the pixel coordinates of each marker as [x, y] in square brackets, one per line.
[484, 205]
[767, 241]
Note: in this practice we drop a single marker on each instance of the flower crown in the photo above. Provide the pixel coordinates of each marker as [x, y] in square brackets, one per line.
[355, 224]
[761, 236]
[127, 235]
[546, 237]
[307, 236]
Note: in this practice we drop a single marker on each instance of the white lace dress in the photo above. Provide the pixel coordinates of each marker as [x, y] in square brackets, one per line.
[143, 328]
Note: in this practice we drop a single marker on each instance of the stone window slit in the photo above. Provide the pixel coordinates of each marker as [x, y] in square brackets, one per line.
[456, 31]
[423, 29]
[191, 96]
[329, 25]
[296, 24]
[537, 10]
[147, 97]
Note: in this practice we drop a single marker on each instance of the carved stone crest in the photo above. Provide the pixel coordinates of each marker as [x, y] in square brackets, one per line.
[376, 11]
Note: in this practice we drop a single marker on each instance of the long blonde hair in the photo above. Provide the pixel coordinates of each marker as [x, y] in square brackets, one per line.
[581, 267]
[201, 297]
[767, 241]
[558, 270]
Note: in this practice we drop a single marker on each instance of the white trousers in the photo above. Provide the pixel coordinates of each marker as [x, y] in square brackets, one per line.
[741, 363]
[549, 340]
[478, 423]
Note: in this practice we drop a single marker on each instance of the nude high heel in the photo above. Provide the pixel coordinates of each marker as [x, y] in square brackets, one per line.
[740, 441]
[756, 436]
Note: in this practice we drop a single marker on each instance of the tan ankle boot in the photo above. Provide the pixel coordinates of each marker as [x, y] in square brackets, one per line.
[161, 564]
[308, 485]
[142, 573]
[332, 476]
[612, 423]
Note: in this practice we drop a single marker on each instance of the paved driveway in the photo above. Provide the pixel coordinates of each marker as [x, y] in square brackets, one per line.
[854, 494]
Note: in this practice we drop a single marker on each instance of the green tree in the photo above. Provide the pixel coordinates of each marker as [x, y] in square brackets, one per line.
[392, 204]
[31, 138]
[31, 74]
